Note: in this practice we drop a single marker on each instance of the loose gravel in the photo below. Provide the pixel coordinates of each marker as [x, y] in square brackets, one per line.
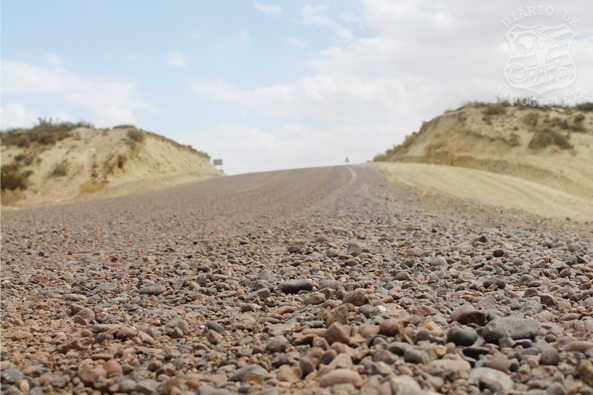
[316, 281]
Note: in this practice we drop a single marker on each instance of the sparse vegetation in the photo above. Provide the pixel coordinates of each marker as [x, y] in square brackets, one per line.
[46, 132]
[564, 124]
[585, 107]
[547, 137]
[487, 119]
[495, 109]
[136, 135]
[13, 178]
[26, 158]
[514, 140]
[60, 170]
[408, 141]
[125, 126]
[530, 119]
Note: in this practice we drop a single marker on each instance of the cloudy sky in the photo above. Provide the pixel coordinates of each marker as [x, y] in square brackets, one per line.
[262, 85]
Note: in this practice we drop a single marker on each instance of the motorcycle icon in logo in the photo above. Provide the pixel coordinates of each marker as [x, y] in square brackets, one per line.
[540, 58]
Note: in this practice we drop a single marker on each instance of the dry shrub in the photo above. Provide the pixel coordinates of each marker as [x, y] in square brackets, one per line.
[12, 178]
[60, 170]
[547, 137]
[586, 107]
[125, 126]
[136, 135]
[495, 109]
[26, 158]
[488, 120]
[513, 140]
[90, 187]
[573, 152]
[530, 119]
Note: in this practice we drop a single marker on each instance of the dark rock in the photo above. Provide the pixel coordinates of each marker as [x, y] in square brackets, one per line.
[294, 286]
[462, 336]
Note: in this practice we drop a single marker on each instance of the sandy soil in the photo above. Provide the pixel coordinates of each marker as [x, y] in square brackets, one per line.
[105, 158]
[489, 188]
[500, 144]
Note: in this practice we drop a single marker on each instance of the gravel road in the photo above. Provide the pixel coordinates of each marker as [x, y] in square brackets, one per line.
[312, 281]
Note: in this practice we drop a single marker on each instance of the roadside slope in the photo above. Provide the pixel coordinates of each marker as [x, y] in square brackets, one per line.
[99, 163]
[485, 187]
[542, 156]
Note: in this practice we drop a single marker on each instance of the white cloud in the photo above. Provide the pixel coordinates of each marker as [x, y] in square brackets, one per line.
[177, 59]
[291, 146]
[313, 15]
[296, 42]
[321, 96]
[104, 98]
[53, 60]
[425, 57]
[269, 9]
[14, 115]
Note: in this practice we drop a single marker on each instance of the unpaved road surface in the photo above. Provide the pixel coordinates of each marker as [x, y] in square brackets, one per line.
[326, 280]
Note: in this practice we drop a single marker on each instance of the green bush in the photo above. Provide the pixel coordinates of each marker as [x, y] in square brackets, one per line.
[13, 178]
[136, 135]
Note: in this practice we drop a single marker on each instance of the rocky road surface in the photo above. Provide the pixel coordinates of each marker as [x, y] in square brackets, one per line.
[313, 281]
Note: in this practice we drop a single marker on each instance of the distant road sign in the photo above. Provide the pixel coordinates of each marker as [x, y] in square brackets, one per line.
[217, 162]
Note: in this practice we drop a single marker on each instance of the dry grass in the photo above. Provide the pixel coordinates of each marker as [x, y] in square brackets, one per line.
[89, 187]
[9, 198]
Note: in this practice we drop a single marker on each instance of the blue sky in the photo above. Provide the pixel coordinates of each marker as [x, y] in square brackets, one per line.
[263, 85]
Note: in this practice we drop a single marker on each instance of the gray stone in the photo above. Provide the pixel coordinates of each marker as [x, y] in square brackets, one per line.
[127, 386]
[496, 376]
[513, 327]
[105, 287]
[248, 371]
[58, 382]
[10, 376]
[439, 261]
[261, 294]
[416, 356]
[146, 387]
[151, 290]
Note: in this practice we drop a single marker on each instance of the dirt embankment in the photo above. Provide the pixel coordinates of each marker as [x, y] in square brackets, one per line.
[99, 163]
[550, 148]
